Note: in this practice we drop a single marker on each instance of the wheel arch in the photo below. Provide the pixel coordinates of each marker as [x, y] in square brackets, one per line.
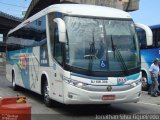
[144, 73]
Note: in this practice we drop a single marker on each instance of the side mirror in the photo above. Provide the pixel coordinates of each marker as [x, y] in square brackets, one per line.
[61, 29]
[148, 31]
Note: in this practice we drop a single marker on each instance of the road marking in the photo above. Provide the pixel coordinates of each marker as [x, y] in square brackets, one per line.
[148, 103]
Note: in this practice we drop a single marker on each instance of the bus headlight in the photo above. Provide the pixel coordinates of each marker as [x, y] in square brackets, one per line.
[75, 83]
[133, 83]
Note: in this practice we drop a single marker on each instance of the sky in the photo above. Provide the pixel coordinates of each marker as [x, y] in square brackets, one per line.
[14, 7]
[148, 12]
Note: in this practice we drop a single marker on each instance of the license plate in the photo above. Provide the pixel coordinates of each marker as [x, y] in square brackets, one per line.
[108, 97]
[99, 81]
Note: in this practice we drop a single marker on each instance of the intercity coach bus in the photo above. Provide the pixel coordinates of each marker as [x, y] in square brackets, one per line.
[148, 53]
[77, 54]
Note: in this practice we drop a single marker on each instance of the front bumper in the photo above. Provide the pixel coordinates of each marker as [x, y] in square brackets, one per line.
[75, 95]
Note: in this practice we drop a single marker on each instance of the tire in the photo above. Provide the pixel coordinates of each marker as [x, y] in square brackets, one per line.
[46, 98]
[144, 83]
[14, 86]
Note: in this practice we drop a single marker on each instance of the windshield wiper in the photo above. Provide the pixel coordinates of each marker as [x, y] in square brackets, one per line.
[92, 53]
[92, 50]
[114, 48]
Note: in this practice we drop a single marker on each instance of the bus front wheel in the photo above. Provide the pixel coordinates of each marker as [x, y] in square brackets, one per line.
[14, 86]
[47, 100]
[144, 82]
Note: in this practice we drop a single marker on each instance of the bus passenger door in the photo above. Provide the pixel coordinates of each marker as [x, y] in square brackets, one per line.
[57, 65]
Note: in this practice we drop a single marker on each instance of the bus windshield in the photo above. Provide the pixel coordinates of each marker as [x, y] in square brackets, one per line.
[101, 44]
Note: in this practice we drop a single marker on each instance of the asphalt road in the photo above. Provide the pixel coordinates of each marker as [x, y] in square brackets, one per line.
[146, 106]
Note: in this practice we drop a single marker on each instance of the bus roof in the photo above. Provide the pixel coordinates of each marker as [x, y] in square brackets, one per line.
[155, 26]
[152, 27]
[79, 10]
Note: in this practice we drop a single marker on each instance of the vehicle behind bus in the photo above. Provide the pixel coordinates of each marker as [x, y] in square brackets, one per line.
[148, 53]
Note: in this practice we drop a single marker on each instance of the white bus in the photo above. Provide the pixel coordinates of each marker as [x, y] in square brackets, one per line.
[77, 54]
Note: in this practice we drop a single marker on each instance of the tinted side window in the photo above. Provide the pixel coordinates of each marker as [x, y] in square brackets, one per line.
[57, 46]
[158, 37]
[33, 34]
[155, 42]
[142, 39]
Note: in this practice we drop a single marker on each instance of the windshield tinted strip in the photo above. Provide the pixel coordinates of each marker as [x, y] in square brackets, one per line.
[89, 77]
[95, 17]
[83, 72]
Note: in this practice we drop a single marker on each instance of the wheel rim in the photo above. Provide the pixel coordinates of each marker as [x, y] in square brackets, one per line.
[13, 82]
[46, 93]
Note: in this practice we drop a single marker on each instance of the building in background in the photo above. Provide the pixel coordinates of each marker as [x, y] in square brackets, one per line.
[126, 5]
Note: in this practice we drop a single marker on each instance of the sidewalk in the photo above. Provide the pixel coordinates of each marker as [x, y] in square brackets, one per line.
[145, 98]
[2, 68]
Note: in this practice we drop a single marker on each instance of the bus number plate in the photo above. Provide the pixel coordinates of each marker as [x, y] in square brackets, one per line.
[108, 97]
[99, 81]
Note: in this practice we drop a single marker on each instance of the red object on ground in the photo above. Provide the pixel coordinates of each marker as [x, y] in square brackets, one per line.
[14, 108]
